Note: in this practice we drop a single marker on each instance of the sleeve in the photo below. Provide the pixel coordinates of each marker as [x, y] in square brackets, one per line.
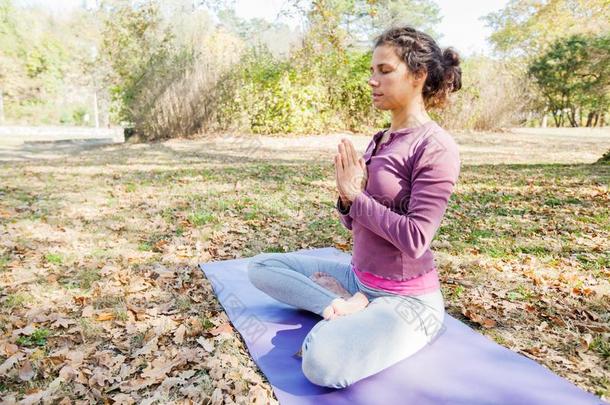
[432, 181]
[346, 220]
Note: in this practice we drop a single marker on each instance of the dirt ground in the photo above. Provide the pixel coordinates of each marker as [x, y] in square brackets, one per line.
[517, 146]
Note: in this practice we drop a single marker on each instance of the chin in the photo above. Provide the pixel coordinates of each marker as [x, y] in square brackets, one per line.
[379, 106]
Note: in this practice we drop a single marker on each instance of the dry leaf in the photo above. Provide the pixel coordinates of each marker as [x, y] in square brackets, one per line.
[585, 341]
[63, 322]
[123, 399]
[80, 300]
[10, 349]
[48, 394]
[27, 331]
[224, 328]
[158, 369]
[179, 334]
[217, 397]
[105, 316]
[10, 362]
[207, 345]
[471, 314]
[87, 312]
[26, 373]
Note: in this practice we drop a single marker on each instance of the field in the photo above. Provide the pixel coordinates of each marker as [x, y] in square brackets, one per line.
[101, 298]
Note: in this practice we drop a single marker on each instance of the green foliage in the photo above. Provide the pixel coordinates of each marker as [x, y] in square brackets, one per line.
[42, 75]
[137, 48]
[37, 338]
[74, 117]
[171, 71]
[200, 218]
[79, 114]
[17, 300]
[601, 345]
[321, 86]
[289, 96]
[524, 31]
[53, 258]
[574, 75]
[604, 159]
[529, 28]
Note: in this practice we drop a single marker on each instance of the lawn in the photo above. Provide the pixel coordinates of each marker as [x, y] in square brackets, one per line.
[101, 297]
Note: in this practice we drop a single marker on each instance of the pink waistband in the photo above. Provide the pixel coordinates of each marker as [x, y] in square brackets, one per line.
[423, 284]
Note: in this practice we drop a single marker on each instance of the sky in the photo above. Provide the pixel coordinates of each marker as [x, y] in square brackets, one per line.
[461, 27]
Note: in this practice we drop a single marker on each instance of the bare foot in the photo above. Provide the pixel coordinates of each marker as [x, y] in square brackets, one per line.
[340, 307]
[330, 283]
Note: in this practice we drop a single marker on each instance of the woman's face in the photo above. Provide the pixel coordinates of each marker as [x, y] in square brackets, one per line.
[391, 80]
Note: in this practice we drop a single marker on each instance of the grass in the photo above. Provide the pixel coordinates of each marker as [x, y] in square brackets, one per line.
[53, 258]
[521, 293]
[201, 218]
[518, 239]
[16, 300]
[4, 261]
[37, 338]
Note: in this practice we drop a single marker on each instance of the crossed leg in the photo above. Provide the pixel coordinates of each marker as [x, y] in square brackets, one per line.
[287, 277]
[355, 346]
[391, 328]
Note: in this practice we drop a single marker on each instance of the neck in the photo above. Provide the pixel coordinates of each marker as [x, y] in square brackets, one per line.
[412, 115]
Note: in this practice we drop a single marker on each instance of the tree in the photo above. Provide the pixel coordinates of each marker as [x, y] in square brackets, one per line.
[525, 28]
[137, 48]
[352, 23]
[573, 76]
[41, 64]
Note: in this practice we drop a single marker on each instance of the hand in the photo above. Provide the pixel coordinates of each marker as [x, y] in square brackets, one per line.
[351, 173]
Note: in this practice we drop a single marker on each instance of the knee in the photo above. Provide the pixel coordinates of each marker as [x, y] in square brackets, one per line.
[321, 367]
[255, 265]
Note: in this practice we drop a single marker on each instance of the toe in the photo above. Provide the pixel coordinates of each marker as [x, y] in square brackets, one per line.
[328, 312]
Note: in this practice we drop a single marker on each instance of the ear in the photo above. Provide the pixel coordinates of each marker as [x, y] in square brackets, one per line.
[420, 77]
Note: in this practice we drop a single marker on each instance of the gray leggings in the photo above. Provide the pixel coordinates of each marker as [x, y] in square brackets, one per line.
[339, 352]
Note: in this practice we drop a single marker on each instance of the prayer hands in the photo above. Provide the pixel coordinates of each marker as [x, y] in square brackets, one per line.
[351, 172]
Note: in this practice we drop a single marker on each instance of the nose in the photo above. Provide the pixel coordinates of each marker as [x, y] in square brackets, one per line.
[372, 82]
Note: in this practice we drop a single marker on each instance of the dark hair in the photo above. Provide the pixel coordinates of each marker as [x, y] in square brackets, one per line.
[422, 54]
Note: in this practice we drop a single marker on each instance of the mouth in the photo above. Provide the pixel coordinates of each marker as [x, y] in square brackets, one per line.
[377, 95]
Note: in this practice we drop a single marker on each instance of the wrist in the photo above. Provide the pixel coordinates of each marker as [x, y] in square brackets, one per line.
[352, 197]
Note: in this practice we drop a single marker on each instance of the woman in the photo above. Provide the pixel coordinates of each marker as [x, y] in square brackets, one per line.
[387, 303]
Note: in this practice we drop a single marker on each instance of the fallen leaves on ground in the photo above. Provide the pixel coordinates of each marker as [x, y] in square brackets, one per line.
[101, 299]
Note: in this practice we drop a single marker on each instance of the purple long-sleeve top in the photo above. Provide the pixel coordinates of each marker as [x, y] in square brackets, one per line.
[394, 219]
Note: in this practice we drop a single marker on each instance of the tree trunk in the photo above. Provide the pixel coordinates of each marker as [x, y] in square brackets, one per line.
[572, 117]
[556, 118]
[589, 118]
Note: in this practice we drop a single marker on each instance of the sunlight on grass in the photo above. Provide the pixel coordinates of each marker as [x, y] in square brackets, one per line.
[529, 255]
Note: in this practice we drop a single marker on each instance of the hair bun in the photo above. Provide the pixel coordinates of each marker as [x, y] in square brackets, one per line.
[451, 57]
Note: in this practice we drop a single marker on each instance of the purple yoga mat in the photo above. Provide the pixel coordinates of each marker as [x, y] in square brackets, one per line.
[460, 367]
